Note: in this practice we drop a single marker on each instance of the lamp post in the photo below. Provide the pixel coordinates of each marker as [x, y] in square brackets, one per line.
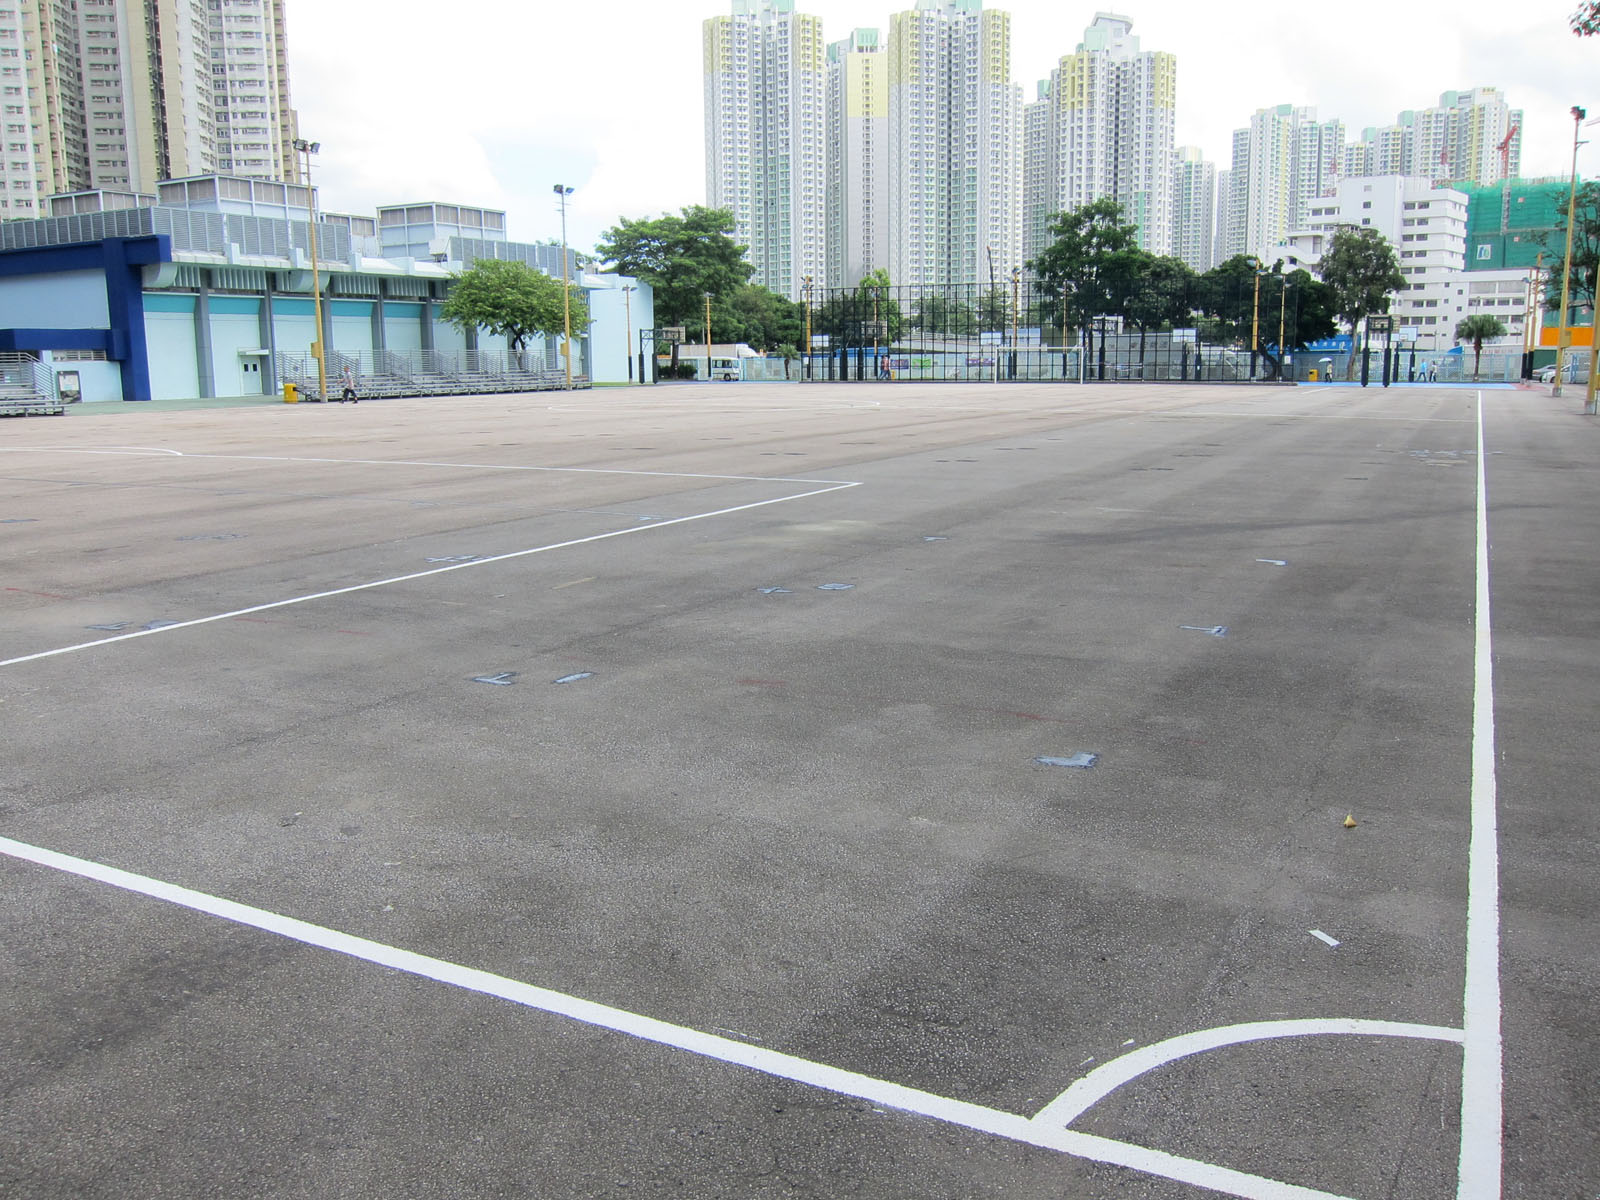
[708, 337]
[807, 359]
[1255, 321]
[1563, 332]
[1283, 297]
[1531, 310]
[627, 332]
[1016, 317]
[566, 286]
[318, 351]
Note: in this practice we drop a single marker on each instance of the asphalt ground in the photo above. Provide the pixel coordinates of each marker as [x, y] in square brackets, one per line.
[639, 793]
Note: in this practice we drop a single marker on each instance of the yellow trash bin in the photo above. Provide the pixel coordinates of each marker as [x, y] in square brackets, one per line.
[291, 393]
[1312, 375]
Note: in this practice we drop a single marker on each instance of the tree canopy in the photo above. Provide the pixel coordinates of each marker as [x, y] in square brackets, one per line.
[1585, 251]
[513, 299]
[1227, 295]
[1361, 268]
[1586, 20]
[1093, 251]
[755, 316]
[681, 258]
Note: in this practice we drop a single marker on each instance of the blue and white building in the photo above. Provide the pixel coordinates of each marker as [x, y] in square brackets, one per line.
[205, 289]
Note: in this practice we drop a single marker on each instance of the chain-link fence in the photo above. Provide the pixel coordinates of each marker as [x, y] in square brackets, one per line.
[1015, 330]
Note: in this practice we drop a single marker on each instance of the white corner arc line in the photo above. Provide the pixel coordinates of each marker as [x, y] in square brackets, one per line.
[1108, 1077]
[1480, 1164]
[378, 583]
[757, 1058]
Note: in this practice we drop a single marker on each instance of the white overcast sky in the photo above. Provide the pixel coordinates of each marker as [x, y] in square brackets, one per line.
[493, 102]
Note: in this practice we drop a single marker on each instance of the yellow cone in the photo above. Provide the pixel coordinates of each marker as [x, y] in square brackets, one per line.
[1349, 821]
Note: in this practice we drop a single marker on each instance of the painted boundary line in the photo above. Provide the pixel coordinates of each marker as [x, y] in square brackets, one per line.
[1482, 1069]
[378, 583]
[756, 1058]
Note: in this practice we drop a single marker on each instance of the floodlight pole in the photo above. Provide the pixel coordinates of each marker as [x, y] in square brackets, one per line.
[807, 358]
[1563, 332]
[1255, 324]
[1283, 297]
[627, 321]
[1016, 285]
[318, 350]
[566, 286]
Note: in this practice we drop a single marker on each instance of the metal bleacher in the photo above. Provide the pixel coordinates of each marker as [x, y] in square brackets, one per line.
[385, 373]
[28, 388]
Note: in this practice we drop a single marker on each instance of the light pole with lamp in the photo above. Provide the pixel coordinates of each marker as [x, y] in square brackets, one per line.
[627, 321]
[566, 286]
[1016, 317]
[1283, 299]
[1255, 320]
[807, 359]
[708, 337]
[1563, 331]
[318, 351]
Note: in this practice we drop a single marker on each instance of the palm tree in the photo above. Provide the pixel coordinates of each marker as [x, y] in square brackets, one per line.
[1478, 329]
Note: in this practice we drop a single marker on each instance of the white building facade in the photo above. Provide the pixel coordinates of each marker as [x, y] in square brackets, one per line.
[765, 130]
[1427, 226]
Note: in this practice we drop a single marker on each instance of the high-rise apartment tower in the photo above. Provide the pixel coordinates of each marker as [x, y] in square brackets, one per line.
[954, 123]
[117, 94]
[765, 124]
[857, 158]
[1110, 115]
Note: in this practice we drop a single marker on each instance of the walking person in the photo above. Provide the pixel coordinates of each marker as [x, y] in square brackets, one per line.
[349, 387]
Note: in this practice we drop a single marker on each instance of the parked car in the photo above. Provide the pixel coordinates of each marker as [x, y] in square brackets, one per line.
[1576, 370]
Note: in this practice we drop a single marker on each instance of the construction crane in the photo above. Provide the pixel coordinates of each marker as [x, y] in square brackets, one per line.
[1505, 177]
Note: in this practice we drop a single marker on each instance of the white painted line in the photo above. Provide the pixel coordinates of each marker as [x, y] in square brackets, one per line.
[756, 1058]
[407, 462]
[461, 566]
[1480, 1165]
[1107, 1078]
[1322, 937]
[1310, 416]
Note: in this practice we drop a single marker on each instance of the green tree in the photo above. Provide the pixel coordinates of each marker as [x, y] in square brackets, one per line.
[1585, 252]
[1159, 293]
[1586, 20]
[788, 353]
[513, 299]
[1227, 295]
[756, 316]
[994, 310]
[846, 317]
[1478, 329]
[1361, 268]
[1092, 253]
[874, 297]
[681, 258]
[1311, 304]
[941, 314]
